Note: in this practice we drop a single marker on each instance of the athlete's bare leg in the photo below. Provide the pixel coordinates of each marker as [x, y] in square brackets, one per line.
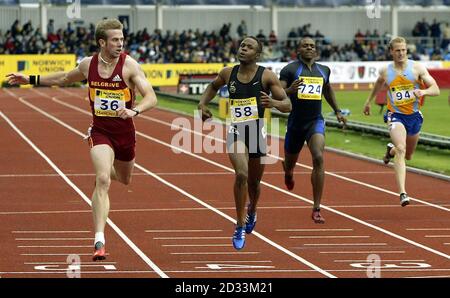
[102, 157]
[398, 137]
[239, 160]
[255, 173]
[122, 171]
[411, 144]
[316, 146]
[289, 162]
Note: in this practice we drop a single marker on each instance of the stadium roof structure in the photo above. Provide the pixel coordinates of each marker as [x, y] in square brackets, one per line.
[298, 3]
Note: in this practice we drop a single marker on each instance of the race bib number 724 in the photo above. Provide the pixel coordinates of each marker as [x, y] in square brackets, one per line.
[310, 89]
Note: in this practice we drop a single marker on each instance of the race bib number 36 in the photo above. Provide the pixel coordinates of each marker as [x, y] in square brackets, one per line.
[107, 102]
[403, 94]
[310, 89]
[243, 109]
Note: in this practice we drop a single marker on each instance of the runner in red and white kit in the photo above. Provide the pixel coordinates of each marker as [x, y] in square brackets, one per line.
[112, 76]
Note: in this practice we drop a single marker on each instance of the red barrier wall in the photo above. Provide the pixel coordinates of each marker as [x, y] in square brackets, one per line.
[442, 77]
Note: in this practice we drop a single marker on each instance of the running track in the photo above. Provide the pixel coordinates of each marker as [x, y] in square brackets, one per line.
[176, 217]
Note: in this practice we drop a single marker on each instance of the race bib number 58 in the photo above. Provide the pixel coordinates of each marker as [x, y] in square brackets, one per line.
[243, 109]
[107, 102]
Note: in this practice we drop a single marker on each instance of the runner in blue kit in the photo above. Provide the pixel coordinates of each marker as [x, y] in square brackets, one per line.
[306, 81]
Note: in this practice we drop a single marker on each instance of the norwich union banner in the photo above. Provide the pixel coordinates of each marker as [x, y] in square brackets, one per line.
[168, 74]
[35, 64]
[341, 72]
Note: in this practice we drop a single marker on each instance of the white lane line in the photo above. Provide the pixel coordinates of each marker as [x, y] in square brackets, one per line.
[188, 238]
[52, 246]
[382, 260]
[44, 212]
[229, 218]
[437, 236]
[60, 254]
[190, 209]
[313, 230]
[197, 245]
[345, 244]
[64, 271]
[41, 175]
[237, 268]
[326, 237]
[85, 198]
[428, 229]
[65, 263]
[221, 261]
[218, 253]
[282, 191]
[162, 174]
[362, 271]
[52, 239]
[365, 252]
[48, 232]
[134, 174]
[182, 231]
[430, 276]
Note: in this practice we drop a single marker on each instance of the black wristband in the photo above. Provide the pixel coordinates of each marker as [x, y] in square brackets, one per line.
[35, 80]
[136, 111]
[337, 111]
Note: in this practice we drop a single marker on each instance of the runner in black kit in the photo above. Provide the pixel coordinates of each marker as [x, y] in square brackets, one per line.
[248, 86]
[307, 82]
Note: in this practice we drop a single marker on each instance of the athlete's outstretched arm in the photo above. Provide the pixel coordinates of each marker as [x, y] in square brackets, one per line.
[211, 92]
[145, 89]
[430, 82]
[376, 88]
[330, 97]
[54, 79]
[279, 99]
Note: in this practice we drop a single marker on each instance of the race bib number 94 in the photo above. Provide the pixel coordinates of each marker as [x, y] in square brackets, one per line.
[243, 109]
[310, 89]
[403, 94]
[107, 102]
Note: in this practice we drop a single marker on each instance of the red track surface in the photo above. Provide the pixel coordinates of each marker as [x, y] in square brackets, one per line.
[44, 219]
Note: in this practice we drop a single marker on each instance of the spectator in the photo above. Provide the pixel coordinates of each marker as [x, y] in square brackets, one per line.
[292, 36]
[445, 36]
[359, 37]
[242, 29]
[319, 37]
[27, 28]
[208, 46]
[261, 36]
[435, 32]
[16, 29]
[272, 38]
[51, 26]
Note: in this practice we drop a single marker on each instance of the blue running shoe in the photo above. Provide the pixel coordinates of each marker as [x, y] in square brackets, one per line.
[239, 238]
[250, 222]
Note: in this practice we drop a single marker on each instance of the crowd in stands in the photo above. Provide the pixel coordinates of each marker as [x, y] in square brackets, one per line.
[429, 42]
